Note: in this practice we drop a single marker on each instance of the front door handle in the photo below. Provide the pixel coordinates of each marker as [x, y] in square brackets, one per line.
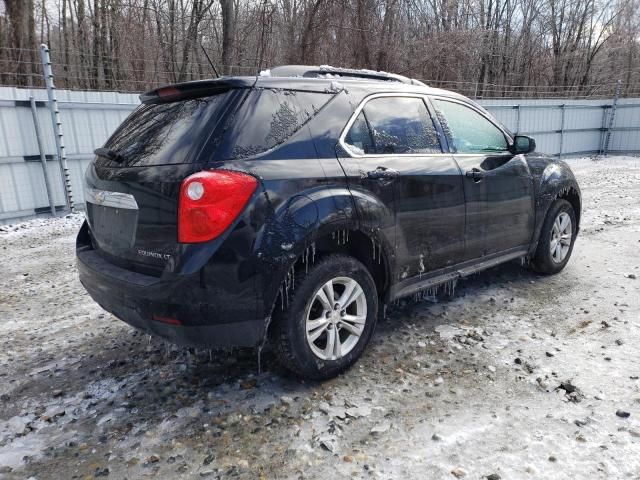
[382, 173]
[476, 174]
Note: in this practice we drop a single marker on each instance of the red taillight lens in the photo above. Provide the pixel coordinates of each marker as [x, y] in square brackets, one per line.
[210, 201]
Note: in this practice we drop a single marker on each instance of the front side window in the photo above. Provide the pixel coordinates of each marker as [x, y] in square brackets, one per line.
[467, 131]
[393, 125]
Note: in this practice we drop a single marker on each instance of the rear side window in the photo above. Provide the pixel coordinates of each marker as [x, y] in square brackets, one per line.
[394, 125]
[359, 136]
[267, 118]
[467, 131]
[165, 133]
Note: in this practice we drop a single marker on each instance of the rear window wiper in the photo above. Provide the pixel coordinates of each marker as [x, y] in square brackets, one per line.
[109, 154]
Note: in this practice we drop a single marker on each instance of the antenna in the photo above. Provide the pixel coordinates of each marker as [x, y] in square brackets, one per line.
[209, 60]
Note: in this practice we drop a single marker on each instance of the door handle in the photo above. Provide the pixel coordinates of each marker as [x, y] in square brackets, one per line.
[382, 173]
[476, 174]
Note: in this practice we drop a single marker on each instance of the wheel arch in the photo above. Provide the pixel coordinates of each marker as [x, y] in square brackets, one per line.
[365, 247]
[572, 195]
[556, 182]
[317, 221]
[338, 238]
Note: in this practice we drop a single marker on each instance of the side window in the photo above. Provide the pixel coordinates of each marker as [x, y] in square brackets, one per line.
[267, 119]
[359, 136]
[467, 131]
[394, 125]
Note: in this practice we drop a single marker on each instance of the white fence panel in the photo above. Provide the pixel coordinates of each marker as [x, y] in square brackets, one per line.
[560, 127]
[88, 118]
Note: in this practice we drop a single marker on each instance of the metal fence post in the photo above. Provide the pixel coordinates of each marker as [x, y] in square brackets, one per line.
[603, 129]
[612, 117]
[518, 119]
[57, 124]
[562, 130]
[43, 158]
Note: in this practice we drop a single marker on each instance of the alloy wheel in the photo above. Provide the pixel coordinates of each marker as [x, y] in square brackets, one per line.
[561, 236]
[335, 318]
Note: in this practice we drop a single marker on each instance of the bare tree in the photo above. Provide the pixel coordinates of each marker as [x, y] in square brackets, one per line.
[478, 47]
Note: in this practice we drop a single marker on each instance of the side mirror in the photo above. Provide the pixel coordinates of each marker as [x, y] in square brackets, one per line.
[523, 144]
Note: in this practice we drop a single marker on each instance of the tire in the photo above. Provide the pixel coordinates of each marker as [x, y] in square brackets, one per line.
[544, 260]
[313, 358]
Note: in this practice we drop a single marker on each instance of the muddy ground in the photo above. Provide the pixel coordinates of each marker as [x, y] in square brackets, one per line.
[515, 376]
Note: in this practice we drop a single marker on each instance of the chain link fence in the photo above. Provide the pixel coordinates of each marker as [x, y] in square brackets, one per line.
[85, 71]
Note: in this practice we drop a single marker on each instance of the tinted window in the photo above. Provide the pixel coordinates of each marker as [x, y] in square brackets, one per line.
[359, 136]
[166, 133]
[267, 118]
[399, 125]
[467, 131]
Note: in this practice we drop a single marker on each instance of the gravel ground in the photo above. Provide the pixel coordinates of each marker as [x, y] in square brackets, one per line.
[514, 376]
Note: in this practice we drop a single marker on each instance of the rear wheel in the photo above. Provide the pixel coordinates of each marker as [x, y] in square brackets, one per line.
[329, 319]
[556, 238]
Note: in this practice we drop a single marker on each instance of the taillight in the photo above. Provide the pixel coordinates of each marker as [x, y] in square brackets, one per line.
[210, 201]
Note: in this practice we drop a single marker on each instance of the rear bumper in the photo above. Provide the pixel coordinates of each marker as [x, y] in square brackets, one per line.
[177, 309]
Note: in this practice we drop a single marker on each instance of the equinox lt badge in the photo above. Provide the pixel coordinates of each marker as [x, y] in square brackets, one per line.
[158, 255]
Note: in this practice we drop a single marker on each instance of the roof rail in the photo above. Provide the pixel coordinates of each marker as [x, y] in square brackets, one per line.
[327, 71]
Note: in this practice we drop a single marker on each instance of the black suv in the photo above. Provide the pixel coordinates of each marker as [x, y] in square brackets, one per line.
[292, 206]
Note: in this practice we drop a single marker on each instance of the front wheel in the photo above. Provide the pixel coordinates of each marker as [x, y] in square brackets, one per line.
[556, 238]
[329, 319]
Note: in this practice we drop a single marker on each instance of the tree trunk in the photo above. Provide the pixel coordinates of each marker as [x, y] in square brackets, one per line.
[17, 13]
[82, 41]
[105, 54]
[228, 34]
[306, 42]
[363, 54]
[97, 47]
[33, 57]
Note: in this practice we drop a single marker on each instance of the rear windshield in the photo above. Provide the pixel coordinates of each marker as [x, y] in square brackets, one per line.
[266, 119]
[165, 133]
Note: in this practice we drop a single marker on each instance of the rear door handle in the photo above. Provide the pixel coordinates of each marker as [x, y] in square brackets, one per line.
[382, 173]
[476, 174]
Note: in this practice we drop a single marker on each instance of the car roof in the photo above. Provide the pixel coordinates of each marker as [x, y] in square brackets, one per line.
[334, 78]
[336, 84]
[312, 78]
